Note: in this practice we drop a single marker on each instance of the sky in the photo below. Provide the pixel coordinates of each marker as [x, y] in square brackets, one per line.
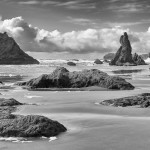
[76, 28]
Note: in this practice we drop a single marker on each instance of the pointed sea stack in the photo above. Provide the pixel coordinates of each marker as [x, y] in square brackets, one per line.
[11, 54]
[124, 56]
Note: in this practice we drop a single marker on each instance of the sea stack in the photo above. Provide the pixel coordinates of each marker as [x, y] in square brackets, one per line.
[124, 56]
[11, 54]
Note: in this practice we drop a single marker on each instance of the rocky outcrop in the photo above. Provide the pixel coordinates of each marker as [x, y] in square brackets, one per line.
[123, 56]
[25, 126]
[11, 54]
[142, 100]
[138, 59]
[70, 63]
[109, 56]
[97, 61]
[62, 78]
[9, 102]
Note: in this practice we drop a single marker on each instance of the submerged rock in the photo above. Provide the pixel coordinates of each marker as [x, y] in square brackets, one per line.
[143, 100]
[97, 61]
[25, 126]
[11, 54]
[124, 57]
[62, 78]
[71, 63]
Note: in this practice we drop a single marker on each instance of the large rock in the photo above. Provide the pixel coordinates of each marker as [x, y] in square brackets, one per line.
[142, 100]
[30, 126]
[124, 55]
[62, 78]
[10, 52]
[25, 126]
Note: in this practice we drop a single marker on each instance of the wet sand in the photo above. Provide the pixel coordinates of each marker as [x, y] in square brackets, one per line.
[90, 126]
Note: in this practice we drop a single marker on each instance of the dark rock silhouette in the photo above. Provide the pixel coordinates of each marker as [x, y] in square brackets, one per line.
[25, 126]
[62, 78]
[70, 63]
[123, 56]
[138, 59]
[97, 61]
[10, 52]
[143, 100]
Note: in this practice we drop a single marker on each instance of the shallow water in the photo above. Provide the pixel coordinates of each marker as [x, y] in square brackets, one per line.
[90, 126]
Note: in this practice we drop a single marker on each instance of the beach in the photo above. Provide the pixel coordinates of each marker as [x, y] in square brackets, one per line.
[89, 124]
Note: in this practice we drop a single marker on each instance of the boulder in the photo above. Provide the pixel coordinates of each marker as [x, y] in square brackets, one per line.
[71, 63]
[62, 78]
[30, 126]
[97, 61]
[142, 100]
[25, 126]
[123, 56]
[9, 102]
[11, 54]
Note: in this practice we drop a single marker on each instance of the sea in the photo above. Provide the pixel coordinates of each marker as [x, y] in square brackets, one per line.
[90, 126]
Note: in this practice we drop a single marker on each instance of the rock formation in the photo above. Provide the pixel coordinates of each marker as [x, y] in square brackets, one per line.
[70, 63]
[11, 54]
[124, 55]
[97, 61]
[25, 126]
[138, 59]
[62, 78]
[142, 100]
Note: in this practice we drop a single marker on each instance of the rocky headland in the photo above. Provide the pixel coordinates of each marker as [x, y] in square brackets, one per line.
[124, 55]
[141, 100]
[62, 78]
[25, 126]
[11, 54]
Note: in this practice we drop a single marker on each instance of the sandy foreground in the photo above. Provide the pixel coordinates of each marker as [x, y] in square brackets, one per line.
[90, 126]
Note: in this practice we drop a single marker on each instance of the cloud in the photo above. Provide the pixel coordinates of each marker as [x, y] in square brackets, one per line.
[33, 2]
[80, 21]
[74, 4]
[76, 42]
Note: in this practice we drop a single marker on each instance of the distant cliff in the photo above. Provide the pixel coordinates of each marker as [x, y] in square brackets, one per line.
[11, 54]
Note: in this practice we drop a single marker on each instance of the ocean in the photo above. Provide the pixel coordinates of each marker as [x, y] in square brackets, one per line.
[90, 126]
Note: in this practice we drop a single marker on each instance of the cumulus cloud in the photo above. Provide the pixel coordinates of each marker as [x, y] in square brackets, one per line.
[80, 42]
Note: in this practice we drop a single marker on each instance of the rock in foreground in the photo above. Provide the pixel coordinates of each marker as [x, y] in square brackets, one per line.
[11, 54]
[25, 126]
[30, 126]
[124, 57]
[62, 78]
[143, 100]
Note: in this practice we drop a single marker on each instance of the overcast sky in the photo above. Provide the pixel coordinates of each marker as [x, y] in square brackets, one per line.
[76, 28]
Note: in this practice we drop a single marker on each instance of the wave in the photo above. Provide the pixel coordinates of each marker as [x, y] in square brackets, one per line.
[24, 140]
